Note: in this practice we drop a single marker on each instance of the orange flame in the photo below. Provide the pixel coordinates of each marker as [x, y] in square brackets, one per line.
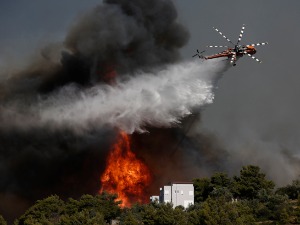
[125, 174]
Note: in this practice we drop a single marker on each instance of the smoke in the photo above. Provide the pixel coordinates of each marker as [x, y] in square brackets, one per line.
[114, 38]
[119, 68]
[179, 153]
[158, 99]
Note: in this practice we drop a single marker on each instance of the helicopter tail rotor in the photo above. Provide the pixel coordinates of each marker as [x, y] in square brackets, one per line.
[199, 54]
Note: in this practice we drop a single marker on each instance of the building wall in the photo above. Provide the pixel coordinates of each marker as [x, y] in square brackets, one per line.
[154, 198]
[182, 194]
[165, 194]
[178, 194]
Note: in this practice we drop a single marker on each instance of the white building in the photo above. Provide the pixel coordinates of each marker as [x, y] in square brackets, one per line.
[154, 198]
[181, 193]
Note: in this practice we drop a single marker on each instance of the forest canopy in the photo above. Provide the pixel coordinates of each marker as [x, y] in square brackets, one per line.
[249, 198]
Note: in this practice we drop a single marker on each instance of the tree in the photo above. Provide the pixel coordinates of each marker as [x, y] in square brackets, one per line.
[250, 182]
[2, 221]
[220, 185]
[219, 211]
[202, 189]
[194, 214]
[297, 211]
[180, 215]
[88, 209]
[46, 211]
[164, 214]
[84, 217]
[154, 213]
[148, 213]
[276, 205]
[216, 186]
[129, 218]
[104, 203]
[220, 180]
[292, 191]
[221, 192]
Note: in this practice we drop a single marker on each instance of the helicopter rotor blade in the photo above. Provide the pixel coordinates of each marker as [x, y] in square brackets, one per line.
[217, 46]
[241, 34]
[223, 35]
[253, 57]
[233, 58]
[258, 44]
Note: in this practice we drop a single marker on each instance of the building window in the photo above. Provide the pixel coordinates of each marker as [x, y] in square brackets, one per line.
[181, 192]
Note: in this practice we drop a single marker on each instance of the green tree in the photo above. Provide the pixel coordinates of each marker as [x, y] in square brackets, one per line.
[250, 182]
[2, 221]
[220, 185]
[140, 214]
[297, 211]
[284, 216]
[164, 214]
[195, 214]
[130, 216]
[219, 211]
[46, 211]
[148, 213]
[98, 209]
[154, 213]
[84, 217]
[180, 215]
[292, 191]
[220, 180]
[202, 189]
[104, 203]
[277, 206]
[258, 209]
[221, 192]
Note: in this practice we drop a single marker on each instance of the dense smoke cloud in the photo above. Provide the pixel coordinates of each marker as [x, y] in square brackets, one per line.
[145, 34]
[180, 154]
[115, 38]
[117, 69]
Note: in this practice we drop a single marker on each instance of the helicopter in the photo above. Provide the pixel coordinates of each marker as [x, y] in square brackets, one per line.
[233, 53]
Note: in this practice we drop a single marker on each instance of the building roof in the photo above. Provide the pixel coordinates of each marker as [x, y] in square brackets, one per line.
[180, 182]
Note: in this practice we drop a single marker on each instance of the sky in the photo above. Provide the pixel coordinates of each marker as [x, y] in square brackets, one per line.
[256, 106]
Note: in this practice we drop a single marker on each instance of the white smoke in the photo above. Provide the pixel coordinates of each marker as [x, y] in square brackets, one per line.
[157, 99]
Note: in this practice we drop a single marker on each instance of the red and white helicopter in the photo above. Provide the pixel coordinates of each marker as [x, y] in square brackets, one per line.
[235, 52]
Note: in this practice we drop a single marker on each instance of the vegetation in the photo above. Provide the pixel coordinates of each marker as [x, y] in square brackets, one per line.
[292, 191]
[2, 221]
[249, 198]
[98, 209]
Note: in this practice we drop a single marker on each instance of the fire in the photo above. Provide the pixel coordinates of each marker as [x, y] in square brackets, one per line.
[125, 174]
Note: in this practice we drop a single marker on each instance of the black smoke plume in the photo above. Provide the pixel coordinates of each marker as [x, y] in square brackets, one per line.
[117, 37]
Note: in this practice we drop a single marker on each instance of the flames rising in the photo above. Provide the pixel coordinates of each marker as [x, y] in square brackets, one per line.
[125, 174]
